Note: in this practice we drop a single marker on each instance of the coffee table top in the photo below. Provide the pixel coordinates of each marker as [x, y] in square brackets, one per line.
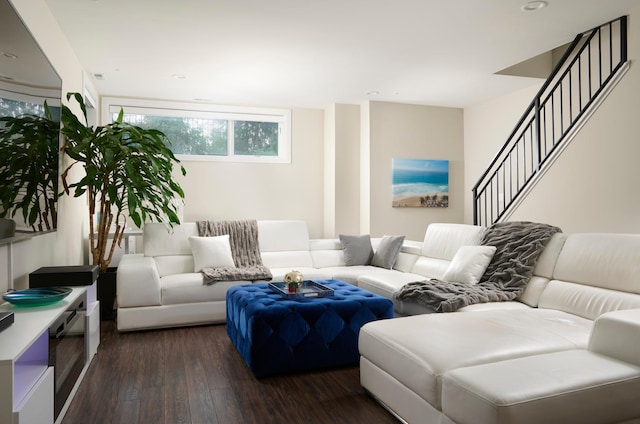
[258, 297]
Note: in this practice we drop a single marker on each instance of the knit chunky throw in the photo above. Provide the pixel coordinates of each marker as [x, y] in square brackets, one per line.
[518, 246]
[245, 249]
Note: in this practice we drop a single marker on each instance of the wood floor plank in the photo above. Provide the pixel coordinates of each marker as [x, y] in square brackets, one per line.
[200, 399]
[194, 375]
[151, 405]
[127, 411]
[176, 399]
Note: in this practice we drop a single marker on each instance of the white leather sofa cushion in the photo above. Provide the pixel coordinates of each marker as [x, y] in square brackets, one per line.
[574, 386]
[350, 274]
[189, 288]
[533, 291]
[174, 264]
[284, 244]
[412, 247]
[386, 284]
[543, 272]
[326, 253]
[159, 240]
[137, 282]
[549, 256]
[418, 350]
[291, 259]
[585, 301]
[442, 241]
[430, 267]
[406, 260]
[412, 308]
[489, 306]
[282, 236]
[617, 335]
[603, 260]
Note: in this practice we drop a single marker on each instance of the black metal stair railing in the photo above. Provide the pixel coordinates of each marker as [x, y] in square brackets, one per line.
[588, 65]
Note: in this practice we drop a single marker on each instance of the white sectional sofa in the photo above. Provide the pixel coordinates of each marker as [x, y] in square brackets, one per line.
[159, 287]
[566, 351]
[543, 364]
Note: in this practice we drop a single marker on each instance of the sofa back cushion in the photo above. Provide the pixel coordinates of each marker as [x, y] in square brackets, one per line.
[543, 272]
[610, 261]
[594, 274]
[549, 257]
[327, 253]
[174, 264]
[441, 243]
[284, 244]
[442, 240]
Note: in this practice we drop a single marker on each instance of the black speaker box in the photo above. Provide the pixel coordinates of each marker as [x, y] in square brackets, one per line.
[53, 276]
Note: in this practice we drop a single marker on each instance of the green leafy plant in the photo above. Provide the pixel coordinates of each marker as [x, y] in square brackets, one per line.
[127, 173]
[29, 168]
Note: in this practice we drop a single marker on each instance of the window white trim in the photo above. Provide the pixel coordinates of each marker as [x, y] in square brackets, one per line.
[110, 105]
[27, 94]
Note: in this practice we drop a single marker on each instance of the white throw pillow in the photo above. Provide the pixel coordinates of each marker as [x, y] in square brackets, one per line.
[469, 263]
[211, 252]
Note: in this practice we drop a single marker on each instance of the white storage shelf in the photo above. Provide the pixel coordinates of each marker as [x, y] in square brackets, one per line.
[25, 376]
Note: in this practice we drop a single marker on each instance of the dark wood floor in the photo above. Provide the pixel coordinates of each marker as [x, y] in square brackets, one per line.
[195, 375]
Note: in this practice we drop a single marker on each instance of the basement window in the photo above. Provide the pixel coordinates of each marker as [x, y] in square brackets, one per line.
[200, 132]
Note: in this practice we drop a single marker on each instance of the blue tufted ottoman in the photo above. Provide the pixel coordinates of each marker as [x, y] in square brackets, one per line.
[275, 335]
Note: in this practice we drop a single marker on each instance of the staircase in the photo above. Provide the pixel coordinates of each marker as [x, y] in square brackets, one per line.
[588, 70]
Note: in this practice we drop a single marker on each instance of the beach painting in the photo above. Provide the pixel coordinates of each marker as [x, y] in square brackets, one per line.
[420, 183]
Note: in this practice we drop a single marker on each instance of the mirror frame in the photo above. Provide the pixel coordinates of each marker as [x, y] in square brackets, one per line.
[26, 75]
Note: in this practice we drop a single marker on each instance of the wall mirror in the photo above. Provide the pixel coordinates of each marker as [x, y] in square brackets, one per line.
[30, 95]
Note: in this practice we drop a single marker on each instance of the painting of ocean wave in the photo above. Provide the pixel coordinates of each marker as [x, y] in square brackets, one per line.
[420, 183]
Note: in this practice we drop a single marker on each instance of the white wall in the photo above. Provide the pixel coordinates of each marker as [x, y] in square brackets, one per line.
[347, 169]
[217, 190]
[593, 186]
[329, 176]
[64, 247]
[419, 132]
[486, 128]
[342, 170]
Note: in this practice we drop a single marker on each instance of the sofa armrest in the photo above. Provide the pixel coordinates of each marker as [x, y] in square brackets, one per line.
[617, 335]
[138, 281]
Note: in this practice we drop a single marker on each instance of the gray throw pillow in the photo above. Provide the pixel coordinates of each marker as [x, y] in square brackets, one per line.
[387, 253]
[357, 249]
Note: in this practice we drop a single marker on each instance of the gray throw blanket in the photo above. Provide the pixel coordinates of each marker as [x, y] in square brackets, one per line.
[245, 249]
[518, 246]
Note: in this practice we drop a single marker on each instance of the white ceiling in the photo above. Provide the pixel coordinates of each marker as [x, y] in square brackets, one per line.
[309, 53]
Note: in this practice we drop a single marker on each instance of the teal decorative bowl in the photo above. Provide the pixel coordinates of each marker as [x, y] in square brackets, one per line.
[36, 297]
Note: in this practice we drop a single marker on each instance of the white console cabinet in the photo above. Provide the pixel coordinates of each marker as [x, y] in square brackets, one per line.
[27, 383]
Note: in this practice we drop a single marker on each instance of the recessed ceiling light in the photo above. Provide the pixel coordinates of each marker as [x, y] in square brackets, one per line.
[532, 6]
[98, 76]
[178, 76]
[9, 55]
[372, 93]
